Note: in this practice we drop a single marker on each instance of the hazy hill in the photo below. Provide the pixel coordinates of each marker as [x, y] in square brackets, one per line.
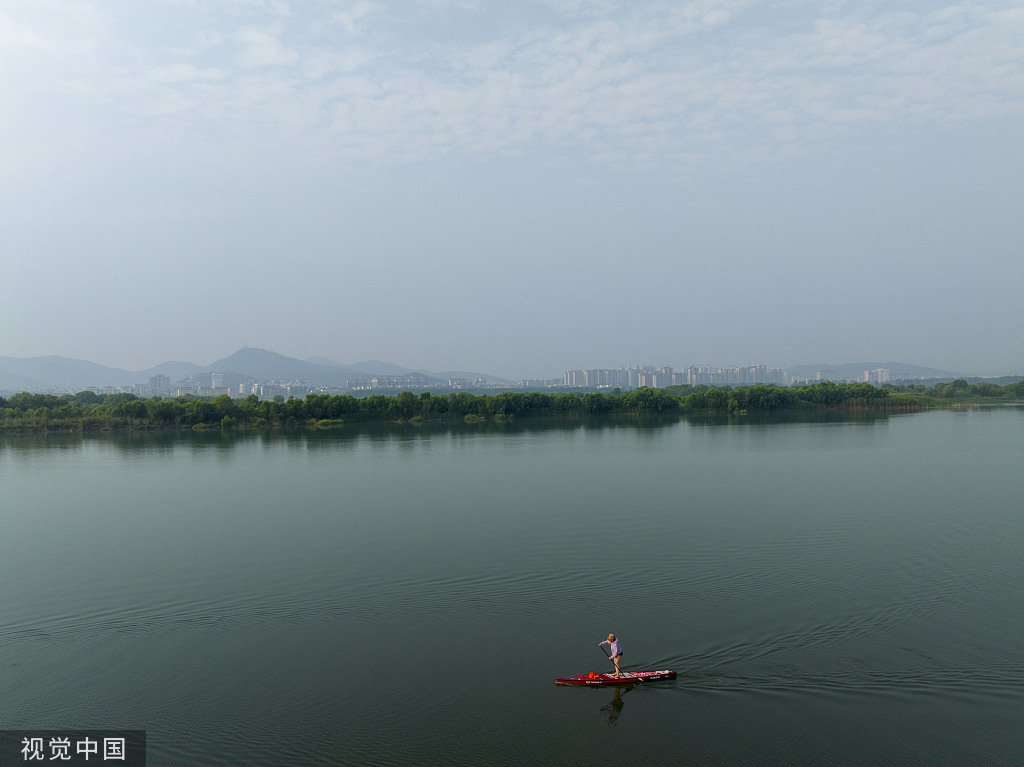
[64, 374]
[471, 375]
[378, 368]
[176, 371]
[14, 382]
[46, 373]
[271, 366]
[370, 367]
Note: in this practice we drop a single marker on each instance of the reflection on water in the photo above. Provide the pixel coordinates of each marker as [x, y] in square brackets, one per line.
[332, 439]
[613, 708]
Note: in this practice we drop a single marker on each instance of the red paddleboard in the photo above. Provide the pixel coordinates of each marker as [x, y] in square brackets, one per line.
[627, 677]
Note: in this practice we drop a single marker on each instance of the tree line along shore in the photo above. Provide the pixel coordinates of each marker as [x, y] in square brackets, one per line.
[89, 411]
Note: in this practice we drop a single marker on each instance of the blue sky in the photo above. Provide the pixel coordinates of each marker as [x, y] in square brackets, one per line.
[516, 187]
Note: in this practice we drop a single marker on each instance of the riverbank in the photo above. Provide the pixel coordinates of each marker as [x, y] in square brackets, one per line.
[27, 413]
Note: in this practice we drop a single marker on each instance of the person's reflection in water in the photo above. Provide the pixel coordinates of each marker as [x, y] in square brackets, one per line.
[614, 707]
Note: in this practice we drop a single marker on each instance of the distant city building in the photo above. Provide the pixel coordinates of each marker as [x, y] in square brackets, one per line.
[212, 391]
[637, 376]
[624, 378]
[159, 386]
[696, 375]
[418, 381]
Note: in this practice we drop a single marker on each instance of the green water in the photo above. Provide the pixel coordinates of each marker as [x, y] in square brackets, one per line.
[830, 592]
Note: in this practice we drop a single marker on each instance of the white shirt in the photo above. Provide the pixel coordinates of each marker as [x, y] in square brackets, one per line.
[615, 649]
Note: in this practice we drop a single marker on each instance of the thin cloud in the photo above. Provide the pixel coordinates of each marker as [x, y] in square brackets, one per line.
[613, 79]
[351, 17]
[264, 48]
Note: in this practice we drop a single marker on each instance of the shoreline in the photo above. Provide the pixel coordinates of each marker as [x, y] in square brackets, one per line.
[86, 412]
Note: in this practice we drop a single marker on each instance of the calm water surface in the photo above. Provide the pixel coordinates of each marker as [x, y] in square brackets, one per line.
[832, 592]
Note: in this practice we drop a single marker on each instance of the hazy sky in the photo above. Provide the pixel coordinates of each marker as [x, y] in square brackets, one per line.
[514, 187]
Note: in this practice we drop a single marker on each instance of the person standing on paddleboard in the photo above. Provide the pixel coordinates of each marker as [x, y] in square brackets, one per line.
[615, 651]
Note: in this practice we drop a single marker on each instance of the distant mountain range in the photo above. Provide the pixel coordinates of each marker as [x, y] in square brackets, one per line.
[48, 374]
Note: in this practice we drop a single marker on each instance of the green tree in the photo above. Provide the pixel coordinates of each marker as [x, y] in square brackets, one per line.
[431, 405]
[225, 406]
[405, 406]
[986, 389]
[698, 400]
[715, 399]
[510, 403]
[134, 411]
